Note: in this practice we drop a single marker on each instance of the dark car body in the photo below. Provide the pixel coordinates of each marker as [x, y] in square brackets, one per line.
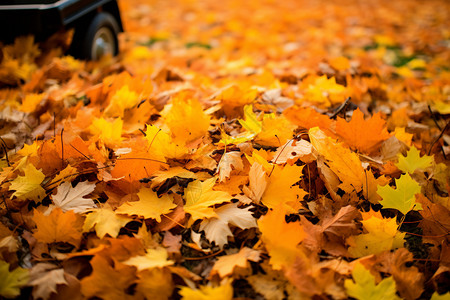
[44, 18]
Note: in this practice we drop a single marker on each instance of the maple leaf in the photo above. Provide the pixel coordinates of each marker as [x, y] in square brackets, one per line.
[200, 197]
[276, 130]
[110, 132]
[364, 286]
[71, 198]
[217, 229]
[292, 151]
[382, 234]
[364, 135]
[29, 185]
[257, 182]
[413, 161]
[186, 110]
[222, 292]
[325, 91]
[148, 206]
[225, 265]
[281, 189]
[137, 164]
[163, 144]
[280, 238]
[155, 284]
[227, 161]
[154, 258]
[12, 281]
[123, 99]
[44, 278]
[330, 233]
[58, 227]
[371, 185]
[344, 163]
[105, 221]
[251, 122]
[106, 281]
[307, 117]
[403, 197]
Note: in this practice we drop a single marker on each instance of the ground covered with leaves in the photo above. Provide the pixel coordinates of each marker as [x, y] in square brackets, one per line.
[234, 149]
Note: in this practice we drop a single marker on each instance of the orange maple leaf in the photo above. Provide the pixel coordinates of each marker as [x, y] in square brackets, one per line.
[58, 227]
[360, 134]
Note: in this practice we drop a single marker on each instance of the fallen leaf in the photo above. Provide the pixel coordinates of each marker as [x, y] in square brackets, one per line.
[225, 265]
[280, 238]
[222, 292]
[154, 258]
[403, 197]
[29, 185]
[413, 161]
[363, 285]
[107, 281]
[72, 198]
[148, 206]
[105, 221]
[200, 197]
[12, 281]
[364, 135]
[44, 278]
[58, 227]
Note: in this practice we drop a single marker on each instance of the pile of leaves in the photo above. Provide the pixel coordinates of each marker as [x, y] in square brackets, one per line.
[234, 149]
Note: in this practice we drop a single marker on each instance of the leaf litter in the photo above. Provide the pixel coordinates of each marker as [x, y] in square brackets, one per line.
[256, 149]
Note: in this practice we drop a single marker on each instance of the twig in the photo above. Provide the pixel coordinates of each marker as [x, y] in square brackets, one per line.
[438, 138]
[340, 108]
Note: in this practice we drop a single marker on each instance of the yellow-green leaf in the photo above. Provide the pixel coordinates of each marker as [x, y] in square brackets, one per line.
[402, 198]
[11, 281]
[413, 161]
[382, 235]
[364, 286]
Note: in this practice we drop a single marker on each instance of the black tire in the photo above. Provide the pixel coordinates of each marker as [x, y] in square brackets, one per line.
[96, 39]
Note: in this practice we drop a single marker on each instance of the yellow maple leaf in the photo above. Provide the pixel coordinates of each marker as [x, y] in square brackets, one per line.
[123, 99]
[275, 131]
[108, 131]
[154, 258]
[155, 283]
[148, 206]
[325, 91]
[364, 287]
[105, 221]
[280, 189]
[343, 162]
[200, 197]
[225, 265]
[161, 143]
[58, 227]
[30, 102]
[222, 292]
[280, 238]
[413, 161]
[186, 119]
[29, 185]
[382, 234]
[12, 281]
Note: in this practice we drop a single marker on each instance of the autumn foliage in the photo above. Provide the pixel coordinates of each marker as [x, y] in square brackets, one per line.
[234, 149]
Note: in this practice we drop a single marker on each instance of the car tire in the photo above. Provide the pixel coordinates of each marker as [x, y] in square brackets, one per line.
[97, 39]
